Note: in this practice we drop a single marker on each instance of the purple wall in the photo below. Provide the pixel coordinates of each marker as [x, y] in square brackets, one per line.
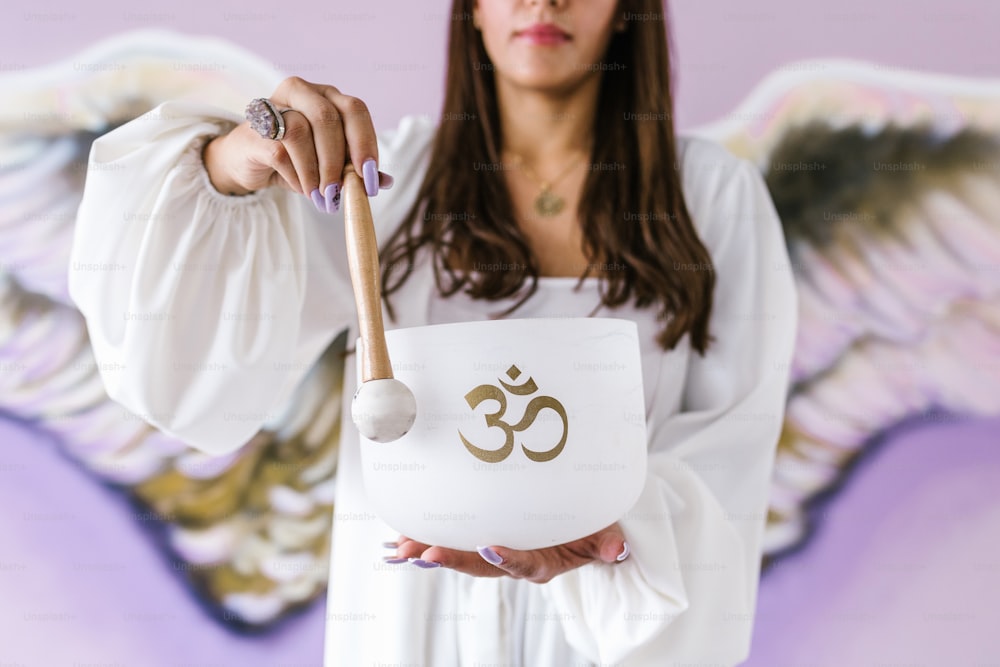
[906, 564]
[392, 53]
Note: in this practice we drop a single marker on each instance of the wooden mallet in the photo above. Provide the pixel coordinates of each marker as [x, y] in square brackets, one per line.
[383, 408]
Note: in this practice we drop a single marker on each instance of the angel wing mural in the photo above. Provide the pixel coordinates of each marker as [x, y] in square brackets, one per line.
[249, 531]
[888, 186]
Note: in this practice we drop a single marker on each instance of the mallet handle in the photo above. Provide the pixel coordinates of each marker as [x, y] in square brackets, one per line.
[362, 258]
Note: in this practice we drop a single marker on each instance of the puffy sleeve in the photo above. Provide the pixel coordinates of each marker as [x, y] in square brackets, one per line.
[204, 310]
[687, 593]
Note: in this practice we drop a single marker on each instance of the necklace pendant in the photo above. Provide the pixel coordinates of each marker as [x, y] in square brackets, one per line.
[548, 204]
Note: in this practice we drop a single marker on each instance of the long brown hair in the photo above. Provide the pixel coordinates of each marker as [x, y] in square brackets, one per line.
[633, 216]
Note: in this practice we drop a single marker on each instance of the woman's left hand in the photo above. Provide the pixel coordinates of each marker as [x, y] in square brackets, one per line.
[537, 566]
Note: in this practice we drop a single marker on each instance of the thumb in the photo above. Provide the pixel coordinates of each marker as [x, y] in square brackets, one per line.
[611, 545]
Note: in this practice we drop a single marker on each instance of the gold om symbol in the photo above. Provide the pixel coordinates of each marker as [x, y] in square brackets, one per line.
[486, 392]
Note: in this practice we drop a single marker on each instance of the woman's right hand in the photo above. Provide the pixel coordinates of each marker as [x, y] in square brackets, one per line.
[324, 129]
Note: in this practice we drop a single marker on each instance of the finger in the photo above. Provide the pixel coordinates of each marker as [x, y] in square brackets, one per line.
[402, 539]
[265, 154]
[300, 146]
[518, 564]
[284, 171]
[403, 549]
[362, 143]
[411, 549]
[325, 141]
[280, 161]
[466, 562]
[327, 124]
[610, 545]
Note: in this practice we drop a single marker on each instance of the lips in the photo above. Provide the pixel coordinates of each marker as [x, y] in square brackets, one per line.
[543, 33]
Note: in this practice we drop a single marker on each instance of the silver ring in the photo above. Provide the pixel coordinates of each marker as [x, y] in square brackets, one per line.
[266, 119]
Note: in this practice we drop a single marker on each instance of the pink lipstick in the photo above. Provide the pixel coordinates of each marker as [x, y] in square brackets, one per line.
[543, 34]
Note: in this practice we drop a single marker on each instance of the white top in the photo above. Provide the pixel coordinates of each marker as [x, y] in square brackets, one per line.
[239, 286]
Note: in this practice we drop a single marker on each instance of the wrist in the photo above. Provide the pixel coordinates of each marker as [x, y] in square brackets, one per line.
[213, 156]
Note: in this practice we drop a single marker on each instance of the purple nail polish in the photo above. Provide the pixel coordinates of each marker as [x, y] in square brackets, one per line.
[425, 564]
[392, 560]
[626, 550]
[318, 200]
[385, 181]
[332, 197]
[390, 545]
[490, 556]
[370, 174]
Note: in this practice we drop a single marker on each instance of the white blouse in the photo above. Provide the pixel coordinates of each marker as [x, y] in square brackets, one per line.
[228, 289]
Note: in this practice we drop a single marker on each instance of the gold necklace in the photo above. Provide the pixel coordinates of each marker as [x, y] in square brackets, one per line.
[547, 203]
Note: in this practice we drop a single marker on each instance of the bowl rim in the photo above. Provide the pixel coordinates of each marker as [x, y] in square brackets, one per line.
[518, 321]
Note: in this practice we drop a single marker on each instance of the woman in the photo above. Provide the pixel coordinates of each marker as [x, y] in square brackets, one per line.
[552, 187]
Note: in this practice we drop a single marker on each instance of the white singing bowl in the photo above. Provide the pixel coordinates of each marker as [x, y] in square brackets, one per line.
[490, 459]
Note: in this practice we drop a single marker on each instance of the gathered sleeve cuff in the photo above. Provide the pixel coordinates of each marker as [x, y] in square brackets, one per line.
[204, 310]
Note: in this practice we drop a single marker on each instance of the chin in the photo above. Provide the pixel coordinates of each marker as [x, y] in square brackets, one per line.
[559, 80]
